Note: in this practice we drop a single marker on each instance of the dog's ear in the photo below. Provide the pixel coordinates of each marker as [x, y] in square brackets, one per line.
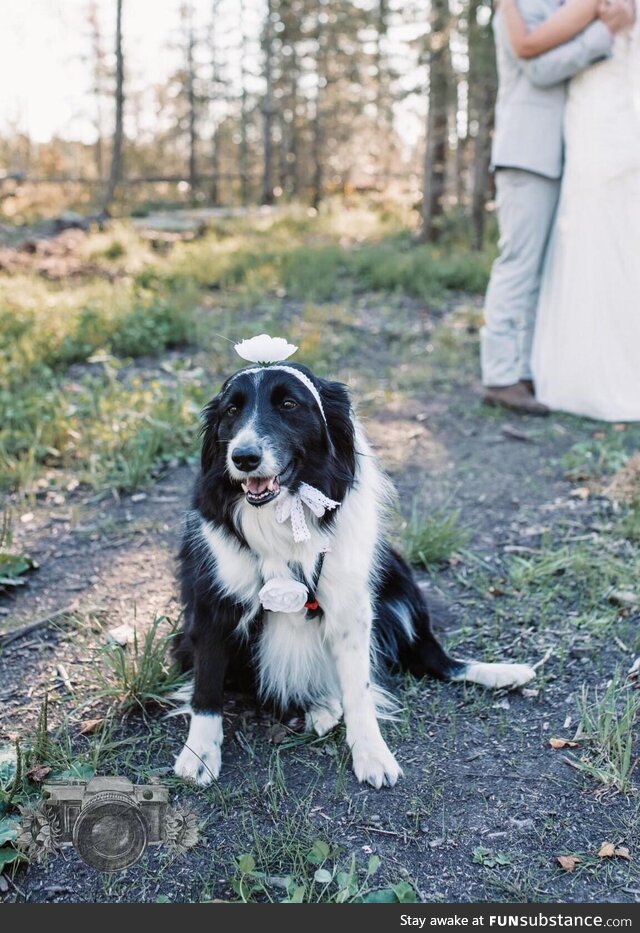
[210, 446]
[340, 424]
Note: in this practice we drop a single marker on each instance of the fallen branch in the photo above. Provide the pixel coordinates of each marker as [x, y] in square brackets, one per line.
[7, 637]
[543, 660]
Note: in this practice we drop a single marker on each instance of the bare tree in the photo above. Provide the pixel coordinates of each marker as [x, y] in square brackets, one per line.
[317, 138]
[267, 108]
[214, 97]
[482, 94]
[191, 95]
[98, 74]
[118, 133]
[436, 149]
[244, 109]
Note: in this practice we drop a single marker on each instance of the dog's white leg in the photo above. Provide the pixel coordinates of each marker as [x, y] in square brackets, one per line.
[496, 675]
[322, 719]
[350, 643]
[200, 759]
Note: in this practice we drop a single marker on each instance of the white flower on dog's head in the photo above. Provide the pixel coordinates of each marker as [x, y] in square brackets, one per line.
[265, 349]
[283, 595]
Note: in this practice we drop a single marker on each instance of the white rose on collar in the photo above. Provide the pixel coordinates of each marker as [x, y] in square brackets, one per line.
[283, 595]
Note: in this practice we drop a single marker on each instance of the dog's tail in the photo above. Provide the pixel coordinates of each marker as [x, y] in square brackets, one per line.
[405, 639]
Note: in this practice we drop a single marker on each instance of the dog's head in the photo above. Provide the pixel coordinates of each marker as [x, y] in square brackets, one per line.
[274, 427]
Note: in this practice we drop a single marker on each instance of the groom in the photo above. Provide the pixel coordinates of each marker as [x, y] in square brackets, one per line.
[528, 160]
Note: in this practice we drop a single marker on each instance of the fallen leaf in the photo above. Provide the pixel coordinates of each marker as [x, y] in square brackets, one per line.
[562, 743]
[623, 852]
[568, 862]
[607, 850]
[90, 725]
[38, 773]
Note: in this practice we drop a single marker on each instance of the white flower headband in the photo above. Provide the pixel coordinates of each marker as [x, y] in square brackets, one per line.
[268, 351]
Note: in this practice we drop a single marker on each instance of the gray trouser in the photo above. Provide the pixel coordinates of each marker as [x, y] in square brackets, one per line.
[526, 206]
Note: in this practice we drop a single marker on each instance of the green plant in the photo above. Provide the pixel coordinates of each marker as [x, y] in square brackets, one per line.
[629, 526]
[141, 674]
[490, 859]
[595, 457]
[607, 728]
[320, 877]
[432, 539]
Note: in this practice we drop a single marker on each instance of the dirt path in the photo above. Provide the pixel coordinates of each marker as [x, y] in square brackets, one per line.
[486, 805]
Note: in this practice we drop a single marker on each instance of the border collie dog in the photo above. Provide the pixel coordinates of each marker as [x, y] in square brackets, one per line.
[287, 576]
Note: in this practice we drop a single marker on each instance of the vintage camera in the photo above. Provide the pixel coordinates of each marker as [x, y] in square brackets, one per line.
[108, 820]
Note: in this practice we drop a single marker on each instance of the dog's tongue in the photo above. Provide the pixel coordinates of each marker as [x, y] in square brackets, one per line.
[258, 484]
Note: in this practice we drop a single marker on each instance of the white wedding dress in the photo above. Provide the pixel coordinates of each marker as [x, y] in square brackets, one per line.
[586, 352]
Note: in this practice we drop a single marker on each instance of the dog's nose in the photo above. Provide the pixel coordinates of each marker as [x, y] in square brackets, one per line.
[247, 458]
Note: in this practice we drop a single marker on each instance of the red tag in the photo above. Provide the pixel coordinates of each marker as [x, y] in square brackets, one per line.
[313, 606]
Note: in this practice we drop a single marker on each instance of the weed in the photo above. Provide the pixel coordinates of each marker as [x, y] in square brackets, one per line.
[432, 539]
[629, 525]
[315, 873]
[595, 457]
[142, 674]
[607, 725]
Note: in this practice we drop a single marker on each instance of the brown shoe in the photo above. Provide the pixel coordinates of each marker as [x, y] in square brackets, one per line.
[529, 386]
[515, 398]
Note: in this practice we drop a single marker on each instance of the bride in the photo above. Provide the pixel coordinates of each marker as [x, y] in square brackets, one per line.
[586, 355]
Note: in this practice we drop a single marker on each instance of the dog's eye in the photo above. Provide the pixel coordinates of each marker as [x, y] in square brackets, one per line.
[289, 404]
[231, 410]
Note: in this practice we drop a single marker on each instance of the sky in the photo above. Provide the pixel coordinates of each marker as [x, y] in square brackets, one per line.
[45, 60]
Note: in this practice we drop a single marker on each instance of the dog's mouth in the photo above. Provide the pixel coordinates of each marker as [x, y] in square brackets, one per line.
[259, 490]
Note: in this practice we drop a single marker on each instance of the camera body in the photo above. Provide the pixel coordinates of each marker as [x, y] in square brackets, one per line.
[109, 820]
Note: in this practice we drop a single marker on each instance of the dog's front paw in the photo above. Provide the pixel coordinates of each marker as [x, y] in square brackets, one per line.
[201, 767]
[374, 764]
[322, 719]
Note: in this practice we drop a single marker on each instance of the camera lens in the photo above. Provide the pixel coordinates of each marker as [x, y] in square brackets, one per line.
[110, 833]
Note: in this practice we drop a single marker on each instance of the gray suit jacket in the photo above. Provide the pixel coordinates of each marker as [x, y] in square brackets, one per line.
[532, 93]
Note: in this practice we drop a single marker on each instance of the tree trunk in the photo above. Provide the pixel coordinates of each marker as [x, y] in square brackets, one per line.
[482, 93]
[267, 109]
[118, 134]
[192, 103]
[214, 191]
[435, 161]
[317, 185]
[244, 114]
[97, 50]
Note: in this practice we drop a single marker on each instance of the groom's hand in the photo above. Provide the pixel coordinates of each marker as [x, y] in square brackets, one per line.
[617, 15]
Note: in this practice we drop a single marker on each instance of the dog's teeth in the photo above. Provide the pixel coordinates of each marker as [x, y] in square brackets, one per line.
[245, 486]
[271, 483]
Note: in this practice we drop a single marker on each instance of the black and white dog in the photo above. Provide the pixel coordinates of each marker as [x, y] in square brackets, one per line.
[287, 576]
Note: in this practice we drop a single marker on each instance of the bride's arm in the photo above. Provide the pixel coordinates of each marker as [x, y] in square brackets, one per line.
[559, 28]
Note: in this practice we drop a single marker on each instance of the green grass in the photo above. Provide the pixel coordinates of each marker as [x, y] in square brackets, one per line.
[629, 525]
[291, 866]
[608, 727]
[140, 674]
[72, 402]
[429, 540]
[598, 456]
